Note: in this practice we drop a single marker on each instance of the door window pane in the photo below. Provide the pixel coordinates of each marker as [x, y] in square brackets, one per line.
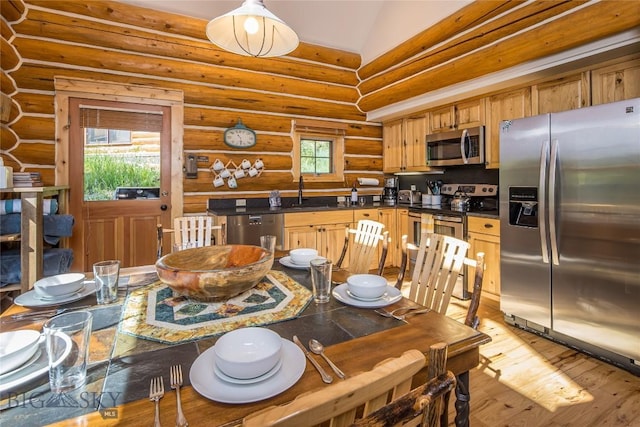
[121, 163]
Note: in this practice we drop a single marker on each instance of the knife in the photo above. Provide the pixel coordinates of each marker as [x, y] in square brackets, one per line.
[325, 377]
[34, 315]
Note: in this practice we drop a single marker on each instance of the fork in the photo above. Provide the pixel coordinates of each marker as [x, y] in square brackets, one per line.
[408, 311]
[176, 383]
[156, 391]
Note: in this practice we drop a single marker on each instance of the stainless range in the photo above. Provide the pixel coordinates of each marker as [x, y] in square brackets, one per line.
[444, 220]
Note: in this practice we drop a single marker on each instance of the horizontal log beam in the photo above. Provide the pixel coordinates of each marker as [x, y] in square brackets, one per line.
[12, 10]
[460, 21]
[114, 36]
[35, 128]
[35, 153]
[97, 58]
[264, 122]
[520, 19]
[191, 27]
[32, 76]
[37, 103]
[602, 19]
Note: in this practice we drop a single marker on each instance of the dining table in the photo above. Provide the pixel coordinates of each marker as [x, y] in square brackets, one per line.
[121, 364]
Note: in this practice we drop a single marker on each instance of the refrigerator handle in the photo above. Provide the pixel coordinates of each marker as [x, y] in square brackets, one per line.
[542, 204]
[552, 202]
[463, 152]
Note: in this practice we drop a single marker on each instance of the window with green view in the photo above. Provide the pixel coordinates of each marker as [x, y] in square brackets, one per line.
[315, 156]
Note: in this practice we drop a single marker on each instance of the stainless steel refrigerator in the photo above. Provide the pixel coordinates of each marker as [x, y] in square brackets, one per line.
[570, 228]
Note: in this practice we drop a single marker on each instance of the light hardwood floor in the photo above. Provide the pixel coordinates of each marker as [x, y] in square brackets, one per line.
[526, 380]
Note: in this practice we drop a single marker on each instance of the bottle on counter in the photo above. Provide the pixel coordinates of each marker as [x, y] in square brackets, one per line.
[354, 194]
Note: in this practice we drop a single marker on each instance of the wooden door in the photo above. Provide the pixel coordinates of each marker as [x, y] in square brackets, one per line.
[415, 149]
[510, 105]
[388, 218]
[108, 226]
[616, 82]
[441, 119]
[470, 114]
[301, 237]
[332, 242]
[392, 139]
[568, 93]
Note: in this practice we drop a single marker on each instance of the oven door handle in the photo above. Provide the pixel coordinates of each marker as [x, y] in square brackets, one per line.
[447, 218]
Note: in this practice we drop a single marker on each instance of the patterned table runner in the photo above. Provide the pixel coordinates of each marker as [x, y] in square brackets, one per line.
[155, 313]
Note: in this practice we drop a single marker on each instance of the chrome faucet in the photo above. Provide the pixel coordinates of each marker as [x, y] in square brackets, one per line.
[300, 187]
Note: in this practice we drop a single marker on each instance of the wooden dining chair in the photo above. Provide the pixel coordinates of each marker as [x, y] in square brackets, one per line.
[439, 263]
[340, 403]
[362, 244]
[194, 229]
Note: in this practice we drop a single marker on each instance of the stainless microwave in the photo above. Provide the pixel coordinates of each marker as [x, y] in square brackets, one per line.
[458, 147]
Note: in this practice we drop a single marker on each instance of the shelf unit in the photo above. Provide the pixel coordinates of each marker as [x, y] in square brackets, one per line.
[31, 233]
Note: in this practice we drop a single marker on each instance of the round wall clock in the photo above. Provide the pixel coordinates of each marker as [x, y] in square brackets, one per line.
[240, 136]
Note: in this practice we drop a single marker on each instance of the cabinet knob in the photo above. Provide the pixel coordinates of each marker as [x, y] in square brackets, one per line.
[488, 225]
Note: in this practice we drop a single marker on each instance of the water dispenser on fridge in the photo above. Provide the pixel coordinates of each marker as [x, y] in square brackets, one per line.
[523, 206]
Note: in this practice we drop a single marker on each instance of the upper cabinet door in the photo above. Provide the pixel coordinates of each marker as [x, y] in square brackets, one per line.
[511, 105]
[616, 82]
[566, 93]
[393, 142]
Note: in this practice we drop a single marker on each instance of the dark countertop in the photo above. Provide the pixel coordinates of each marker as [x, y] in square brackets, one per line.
[264, 210]
[267, 210]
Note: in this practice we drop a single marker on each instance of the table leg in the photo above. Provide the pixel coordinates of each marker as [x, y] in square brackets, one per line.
[462, 400]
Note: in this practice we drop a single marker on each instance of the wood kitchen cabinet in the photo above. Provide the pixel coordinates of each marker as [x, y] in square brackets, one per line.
[461, 115]
[386, 216]
[616, 82]
[566, 93]
[404, 145]
[484, 236]
[511, 105]
[322, 230]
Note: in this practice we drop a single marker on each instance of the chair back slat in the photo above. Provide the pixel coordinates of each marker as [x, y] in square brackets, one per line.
[340, 403]
[194, 229]
[438, 266]
[362, 243]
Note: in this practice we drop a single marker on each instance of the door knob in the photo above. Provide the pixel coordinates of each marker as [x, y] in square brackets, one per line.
[163, 207]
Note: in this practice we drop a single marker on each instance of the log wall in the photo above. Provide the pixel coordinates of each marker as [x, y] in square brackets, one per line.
[485, 37]
[110, 41]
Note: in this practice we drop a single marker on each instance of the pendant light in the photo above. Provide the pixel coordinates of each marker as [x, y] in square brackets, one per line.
[252, 30]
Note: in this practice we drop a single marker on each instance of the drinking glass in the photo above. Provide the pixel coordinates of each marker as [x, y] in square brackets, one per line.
[268, 242]
[362, 201]
[69, 334]
[106, 275]
[321, 279]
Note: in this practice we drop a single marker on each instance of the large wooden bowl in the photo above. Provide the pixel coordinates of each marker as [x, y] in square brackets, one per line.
[214, 273]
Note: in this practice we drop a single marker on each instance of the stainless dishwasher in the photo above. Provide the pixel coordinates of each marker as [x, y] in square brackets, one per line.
[246, 229]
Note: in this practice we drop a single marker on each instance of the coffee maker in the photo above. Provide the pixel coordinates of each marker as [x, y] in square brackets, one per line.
[390, 191]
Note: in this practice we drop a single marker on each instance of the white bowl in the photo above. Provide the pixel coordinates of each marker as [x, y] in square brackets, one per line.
[16, 347]
[248, 352]
[59, 285]
[367, 286]
[302, 256]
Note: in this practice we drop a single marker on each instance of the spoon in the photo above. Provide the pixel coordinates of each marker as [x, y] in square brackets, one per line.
[318, 348]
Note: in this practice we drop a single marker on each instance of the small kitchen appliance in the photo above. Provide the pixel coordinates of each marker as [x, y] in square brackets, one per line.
[390, 191]
[410, 197]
